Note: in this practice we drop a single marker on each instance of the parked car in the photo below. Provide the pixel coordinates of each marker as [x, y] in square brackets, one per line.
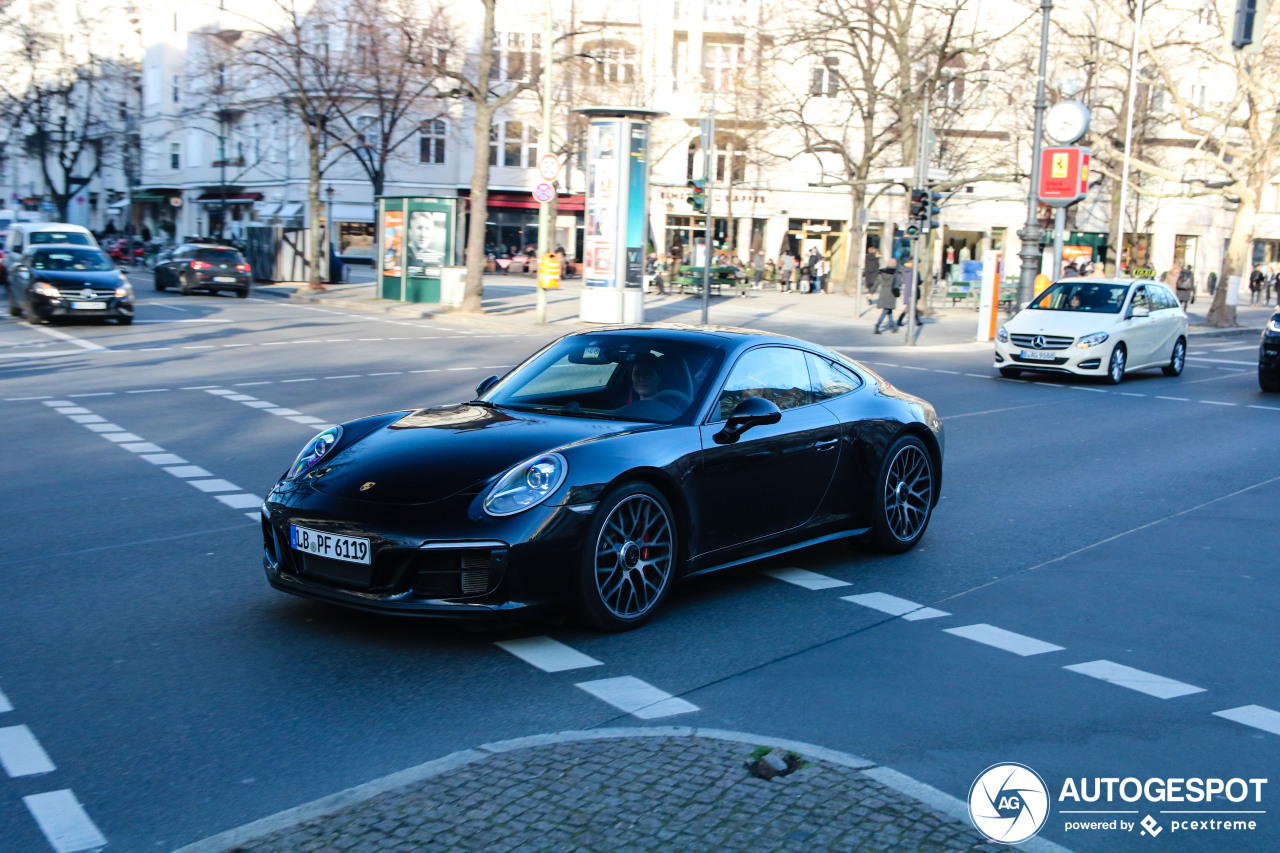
[54, 282]
[601, 470]
[1103, 327]
[202, 266]
[23, 235]
[1269, 356]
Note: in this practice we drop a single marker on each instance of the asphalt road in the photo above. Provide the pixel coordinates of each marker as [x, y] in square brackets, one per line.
[176, 695]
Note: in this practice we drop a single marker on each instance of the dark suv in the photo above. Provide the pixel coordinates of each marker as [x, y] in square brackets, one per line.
[200, 266]
[1269, 355]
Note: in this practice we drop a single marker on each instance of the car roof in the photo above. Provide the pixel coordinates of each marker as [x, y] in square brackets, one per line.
[44, 247]
[1107, 280]
[676, 330]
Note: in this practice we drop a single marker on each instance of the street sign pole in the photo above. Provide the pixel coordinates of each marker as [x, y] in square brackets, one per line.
[708, 164]
[544, 209]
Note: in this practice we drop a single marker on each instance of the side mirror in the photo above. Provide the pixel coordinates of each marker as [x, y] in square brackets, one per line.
[485, 385]
[1141, 311]
[753, 411]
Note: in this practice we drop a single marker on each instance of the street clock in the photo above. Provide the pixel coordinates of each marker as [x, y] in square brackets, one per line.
[1066, 122]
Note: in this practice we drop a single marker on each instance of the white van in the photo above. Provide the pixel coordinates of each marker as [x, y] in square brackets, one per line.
[24, 235]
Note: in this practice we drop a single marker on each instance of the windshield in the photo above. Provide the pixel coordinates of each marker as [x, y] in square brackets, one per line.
[81, 260]
[219, 256]
[73, 237]
[618, 376]
[1082, 295]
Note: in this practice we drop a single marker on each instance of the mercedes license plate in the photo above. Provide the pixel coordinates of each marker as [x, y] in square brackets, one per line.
[89, 306]
[225, 279]
[1038, 355]
[348, 548]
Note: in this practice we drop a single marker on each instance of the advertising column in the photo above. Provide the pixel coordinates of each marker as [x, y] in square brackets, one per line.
[417, 244]
[617, 214]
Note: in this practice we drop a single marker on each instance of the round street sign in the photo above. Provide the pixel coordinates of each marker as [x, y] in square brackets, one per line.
[544, 193]
[549, 166]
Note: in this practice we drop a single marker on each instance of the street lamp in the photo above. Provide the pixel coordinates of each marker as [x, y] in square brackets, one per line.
[1030, 233]
[328, 224]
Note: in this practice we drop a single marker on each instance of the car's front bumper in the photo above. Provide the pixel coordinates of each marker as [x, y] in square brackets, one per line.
[1269, 355]
[435, 560]
[50, 308]
[1084, 361]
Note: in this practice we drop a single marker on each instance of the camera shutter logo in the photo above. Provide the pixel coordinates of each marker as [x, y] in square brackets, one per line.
[1008, 803]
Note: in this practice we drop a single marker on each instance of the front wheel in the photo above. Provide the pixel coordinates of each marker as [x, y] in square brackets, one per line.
[629, 559]
[904, 496]
[160, 285]
[1115, 367]
[1268, 382]
[1178, 360]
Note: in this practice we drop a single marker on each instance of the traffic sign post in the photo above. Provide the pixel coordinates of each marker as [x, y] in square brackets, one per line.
[549, 271]
[543, 193]
[548, 167]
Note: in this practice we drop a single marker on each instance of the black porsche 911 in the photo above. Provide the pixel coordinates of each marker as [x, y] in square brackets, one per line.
[599, 471]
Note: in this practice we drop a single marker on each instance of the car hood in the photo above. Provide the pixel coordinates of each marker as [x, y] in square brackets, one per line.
[67, 278]
[432, 454]
[1032, 321]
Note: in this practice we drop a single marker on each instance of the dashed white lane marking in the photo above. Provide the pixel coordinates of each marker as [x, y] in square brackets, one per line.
[895, 606]
[270, 408]
[185, 471]
[21, 754]
[5, 705]
[87, 419]
[1177, 399]
[636, 697]
[1253, 715]
[547, 654]
[1135, 679]
[1220, 360]
[1019, 644]
[1216, 403]
[64, 822]
[208, 486]
[806, 579]
[243, 501]
[1268, 408]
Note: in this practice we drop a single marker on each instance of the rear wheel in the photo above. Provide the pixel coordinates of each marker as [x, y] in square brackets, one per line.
[1010, 372]
[243, 294]
[186, 284]
[904, 496]
[1177, 360]
[1115, 367]
[160, 285]
[125, 321]
[1268, 382]
[629, 559]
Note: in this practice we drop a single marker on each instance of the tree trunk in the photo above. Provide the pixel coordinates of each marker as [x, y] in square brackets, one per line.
[1222, 315]
[313, 209]
[473, 296]
[855, 251]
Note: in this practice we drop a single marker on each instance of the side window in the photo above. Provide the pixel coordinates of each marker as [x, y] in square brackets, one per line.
[830, 379]
[778, 374]
[1167, 298]
[1140, 299]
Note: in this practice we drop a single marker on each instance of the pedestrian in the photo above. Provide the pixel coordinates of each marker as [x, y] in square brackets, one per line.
[823, 270]
[1255, 284]
[1186, 287]
[909, 287]
[871, 269]
[1212, 283]
[887, 284]
[810, 270]
[659, 274]
[1071, 270]
[757, 269]
[787, 266]
[1273, 281]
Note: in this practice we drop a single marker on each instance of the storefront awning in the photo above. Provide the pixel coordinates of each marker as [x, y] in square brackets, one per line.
[147, 196]
[346, 212]
[285, 210]
[231, 198]
[525, 200]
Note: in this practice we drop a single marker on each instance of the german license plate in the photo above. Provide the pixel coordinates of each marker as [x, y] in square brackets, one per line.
[225, 279]
[348, 548]
[89, 306]
[1039, 355]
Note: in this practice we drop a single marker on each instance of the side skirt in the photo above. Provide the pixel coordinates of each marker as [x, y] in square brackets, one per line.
[830, 537]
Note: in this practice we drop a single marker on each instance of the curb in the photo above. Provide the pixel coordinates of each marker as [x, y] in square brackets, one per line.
[227, 842]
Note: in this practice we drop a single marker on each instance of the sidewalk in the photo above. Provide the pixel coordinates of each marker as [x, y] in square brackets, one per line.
[641, 789]
[509, 302]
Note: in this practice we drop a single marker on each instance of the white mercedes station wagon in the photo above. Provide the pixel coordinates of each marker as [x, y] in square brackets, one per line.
[1102, 327]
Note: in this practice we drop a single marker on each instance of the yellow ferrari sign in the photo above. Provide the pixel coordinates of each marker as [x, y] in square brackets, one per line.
[1061, 165]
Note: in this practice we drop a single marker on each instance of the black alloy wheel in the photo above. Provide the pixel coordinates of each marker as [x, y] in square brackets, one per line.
[904, 496]
[629, 559]
[1115, 367]
[1178, 360]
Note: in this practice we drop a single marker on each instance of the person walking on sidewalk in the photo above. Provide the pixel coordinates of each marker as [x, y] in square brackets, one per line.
[787, 268]
[811, 270]
[888, 299]
[1255, 284]
[823, 270]
[757, 270]
[909, 287]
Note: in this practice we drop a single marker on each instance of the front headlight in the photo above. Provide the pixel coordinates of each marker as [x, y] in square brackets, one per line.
[1002, 335]
[527, 484]
[124, 291]
[46, 289]
[1274, 325]
[1091, 340]
[314, 451]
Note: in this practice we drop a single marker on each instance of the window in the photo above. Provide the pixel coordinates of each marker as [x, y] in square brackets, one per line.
[1139, 300]
[830, 379]
[513, 143]
[611, 64]
[175, 155]
[825, 82]
[730, 159]
[431, 140]
[515, 55]
[176, 93]
[366, 132]
[777, 374]
[721, 63]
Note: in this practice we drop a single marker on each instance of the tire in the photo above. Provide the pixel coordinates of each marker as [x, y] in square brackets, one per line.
[1177, 360]
[1115, 367]
[14, 310]
[1010, 372]
[904, 497]
[242, 294]
[185, 287]
[629, 559]
[125, 321]
[160, 285]
[1268, 382]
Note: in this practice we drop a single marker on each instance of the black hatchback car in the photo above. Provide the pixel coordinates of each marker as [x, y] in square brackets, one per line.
[201, 266]
[1269, 356]
[50, 282]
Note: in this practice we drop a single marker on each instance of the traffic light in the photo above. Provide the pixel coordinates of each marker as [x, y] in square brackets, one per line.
[931, 210]
[698, 195]
[919, 199]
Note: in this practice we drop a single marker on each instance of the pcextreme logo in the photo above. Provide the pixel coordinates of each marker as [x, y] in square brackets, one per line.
[1008, 803]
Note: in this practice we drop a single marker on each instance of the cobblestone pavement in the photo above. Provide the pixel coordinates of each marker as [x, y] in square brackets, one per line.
[668, 793]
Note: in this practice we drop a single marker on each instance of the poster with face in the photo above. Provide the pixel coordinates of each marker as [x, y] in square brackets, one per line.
[392, 239]
[426, 236]
[606, 143]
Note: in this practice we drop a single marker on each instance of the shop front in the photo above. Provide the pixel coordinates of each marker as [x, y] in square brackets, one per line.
[511, 225]
[828, 236]
[225, 211]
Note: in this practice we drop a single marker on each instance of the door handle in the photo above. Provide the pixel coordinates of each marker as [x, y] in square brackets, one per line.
[825, 445]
